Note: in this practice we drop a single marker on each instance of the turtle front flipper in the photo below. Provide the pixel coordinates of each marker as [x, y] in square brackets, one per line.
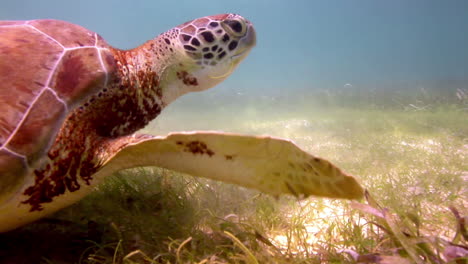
[271, 165]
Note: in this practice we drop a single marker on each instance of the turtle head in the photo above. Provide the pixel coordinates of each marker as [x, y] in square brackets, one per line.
[206, 51]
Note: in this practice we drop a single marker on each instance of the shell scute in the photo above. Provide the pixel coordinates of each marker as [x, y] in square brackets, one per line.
[78, 74]
[24, 69]
[47, 68]
[67, 34]
[39, 125]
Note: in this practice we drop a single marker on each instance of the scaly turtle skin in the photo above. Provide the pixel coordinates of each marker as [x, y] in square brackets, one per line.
[70, 104]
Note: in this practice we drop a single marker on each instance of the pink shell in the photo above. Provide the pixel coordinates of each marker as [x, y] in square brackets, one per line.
[47, 68]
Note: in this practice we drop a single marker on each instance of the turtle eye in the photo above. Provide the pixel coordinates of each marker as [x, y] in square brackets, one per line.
[234, 26]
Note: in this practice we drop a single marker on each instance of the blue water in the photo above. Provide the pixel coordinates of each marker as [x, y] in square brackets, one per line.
[302, 44]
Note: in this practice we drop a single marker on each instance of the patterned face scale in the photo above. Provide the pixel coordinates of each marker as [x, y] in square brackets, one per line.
[209, 40]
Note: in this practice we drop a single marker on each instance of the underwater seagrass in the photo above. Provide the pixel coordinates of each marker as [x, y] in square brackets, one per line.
[70, 104]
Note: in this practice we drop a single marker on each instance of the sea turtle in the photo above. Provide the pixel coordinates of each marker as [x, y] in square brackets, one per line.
[70, 103]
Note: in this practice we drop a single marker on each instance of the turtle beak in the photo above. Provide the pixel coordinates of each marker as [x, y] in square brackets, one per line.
[246, 43]
[250, 38]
